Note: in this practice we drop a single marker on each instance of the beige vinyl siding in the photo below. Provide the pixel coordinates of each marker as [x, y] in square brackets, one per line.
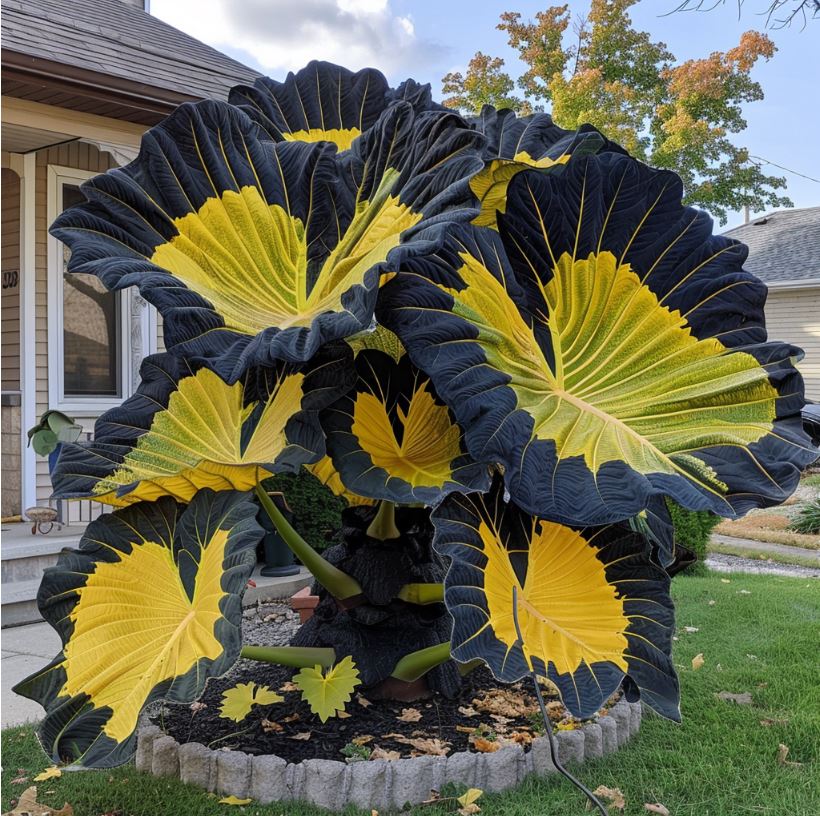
[10, 233]
[793, 315]
[82, 157]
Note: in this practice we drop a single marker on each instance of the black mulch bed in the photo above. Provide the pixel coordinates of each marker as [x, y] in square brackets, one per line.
[441, 719]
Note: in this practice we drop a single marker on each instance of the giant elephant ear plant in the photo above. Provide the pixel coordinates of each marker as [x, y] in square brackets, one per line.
[502, 343]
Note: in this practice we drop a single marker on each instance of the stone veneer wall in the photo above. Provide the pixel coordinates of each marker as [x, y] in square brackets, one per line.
[376, 784]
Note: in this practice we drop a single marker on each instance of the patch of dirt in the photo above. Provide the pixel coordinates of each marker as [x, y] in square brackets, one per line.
[482, 717]
[765, 525]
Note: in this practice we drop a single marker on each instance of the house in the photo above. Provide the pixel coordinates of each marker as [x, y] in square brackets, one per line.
[82, 80]
[784, 252]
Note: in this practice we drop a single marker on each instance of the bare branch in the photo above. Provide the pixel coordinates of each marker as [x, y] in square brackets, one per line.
[790, 9]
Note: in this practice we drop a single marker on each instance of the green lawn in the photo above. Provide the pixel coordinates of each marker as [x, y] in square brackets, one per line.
[722, 761]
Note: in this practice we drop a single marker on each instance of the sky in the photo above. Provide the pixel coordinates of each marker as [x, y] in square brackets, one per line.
[427, 38]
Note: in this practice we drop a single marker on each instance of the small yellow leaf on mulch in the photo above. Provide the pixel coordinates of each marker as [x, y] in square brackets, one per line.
[49, 773]
[467, 711]
[304, 736]
[409, 715]
[363, 739]
[614, 796]
[363, 701]
[698, 661]
[343, 715]
[782, 757]
[428, 746]
[234, 800]
[657, 808]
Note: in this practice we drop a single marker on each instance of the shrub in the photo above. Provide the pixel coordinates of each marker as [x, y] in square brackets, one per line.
[808, 519]
[692, 530]
[317, 513]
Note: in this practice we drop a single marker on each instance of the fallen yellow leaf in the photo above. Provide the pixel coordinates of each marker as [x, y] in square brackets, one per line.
[49, 773]
[697, 661]
[782, 754]
[28, 805]
[409, 715]
[614, 795]
[472, 795]
[233, 800]
[657, 808]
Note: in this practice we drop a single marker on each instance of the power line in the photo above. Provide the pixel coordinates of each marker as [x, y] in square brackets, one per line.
[787, 169]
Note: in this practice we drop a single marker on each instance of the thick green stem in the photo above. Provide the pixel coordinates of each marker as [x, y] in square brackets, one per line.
[383, 526]
[416, 664]
[422, 593]
[339, 584]
[299, 657]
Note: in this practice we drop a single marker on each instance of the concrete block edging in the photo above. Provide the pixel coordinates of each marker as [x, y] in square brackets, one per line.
[375, 784]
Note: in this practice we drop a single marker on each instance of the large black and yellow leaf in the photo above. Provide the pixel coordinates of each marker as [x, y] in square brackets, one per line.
[605, 348]
[148, 608]
[326, 473]
[516, 143]
[256, 251]
[592, 604]
[186, 429]
[324, 102]
[391, 437]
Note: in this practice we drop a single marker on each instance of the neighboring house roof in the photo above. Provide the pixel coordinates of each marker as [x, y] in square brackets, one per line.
[784, 246]
[108, 44]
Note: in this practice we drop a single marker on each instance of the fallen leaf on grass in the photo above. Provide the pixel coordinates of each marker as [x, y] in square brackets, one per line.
[381, 753]
[302, 735]
[768, 722]
[233, 800]
[468, 801]
[19, 780]
[409, 715]
[725, 581]
[28, 805]
[613, 795]
[691, 630]
[782, 754]
[712, 603]
[744, 698]
[744, 592]
[49, 773]
[657, 808]
[698, 661]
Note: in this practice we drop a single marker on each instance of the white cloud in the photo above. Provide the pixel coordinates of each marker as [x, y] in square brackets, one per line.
[286, 34]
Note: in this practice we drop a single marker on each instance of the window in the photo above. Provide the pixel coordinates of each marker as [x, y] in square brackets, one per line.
[88, 338]
[92, 347]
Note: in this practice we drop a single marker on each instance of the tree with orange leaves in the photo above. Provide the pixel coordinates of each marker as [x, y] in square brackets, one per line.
[601, 70]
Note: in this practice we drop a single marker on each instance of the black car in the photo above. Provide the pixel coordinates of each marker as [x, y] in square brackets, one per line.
[811, 421]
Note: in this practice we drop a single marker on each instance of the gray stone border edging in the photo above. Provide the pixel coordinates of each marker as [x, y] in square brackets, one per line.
[375, 784]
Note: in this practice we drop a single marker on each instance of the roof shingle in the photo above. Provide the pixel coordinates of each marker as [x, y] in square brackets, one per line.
[120, 40]
[784, 246]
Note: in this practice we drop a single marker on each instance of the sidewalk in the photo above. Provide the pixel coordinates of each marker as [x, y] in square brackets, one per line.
[767, 547]
[24, 650]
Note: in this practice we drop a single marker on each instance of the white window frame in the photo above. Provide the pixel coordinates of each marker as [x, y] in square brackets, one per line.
[76, 406]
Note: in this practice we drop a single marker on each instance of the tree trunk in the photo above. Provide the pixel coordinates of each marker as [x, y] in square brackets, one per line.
[377, 629]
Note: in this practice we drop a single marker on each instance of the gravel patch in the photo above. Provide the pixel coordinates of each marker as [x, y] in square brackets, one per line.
[733, 563]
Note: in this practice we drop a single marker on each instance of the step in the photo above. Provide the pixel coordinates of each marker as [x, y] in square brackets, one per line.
[20, 597]
[20, 603]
